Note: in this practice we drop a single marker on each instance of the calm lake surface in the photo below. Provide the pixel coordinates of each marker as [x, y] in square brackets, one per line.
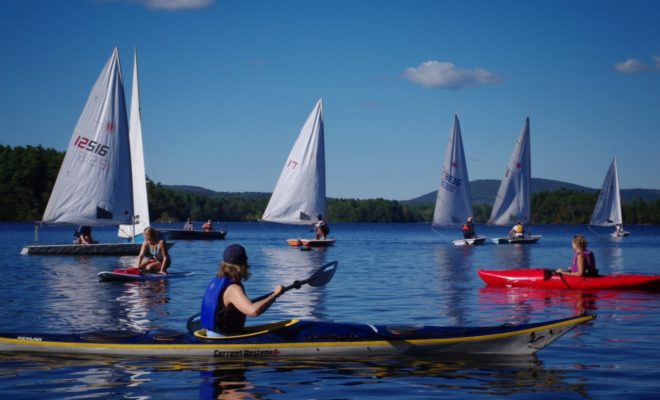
[388, 273]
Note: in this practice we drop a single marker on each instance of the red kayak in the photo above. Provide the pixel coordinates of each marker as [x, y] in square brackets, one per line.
[548, 279]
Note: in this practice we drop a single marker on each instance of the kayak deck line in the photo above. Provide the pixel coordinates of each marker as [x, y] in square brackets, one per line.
[260, 330]
[524, 341]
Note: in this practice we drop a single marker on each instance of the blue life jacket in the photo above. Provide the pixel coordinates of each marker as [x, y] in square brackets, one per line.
[213, 315]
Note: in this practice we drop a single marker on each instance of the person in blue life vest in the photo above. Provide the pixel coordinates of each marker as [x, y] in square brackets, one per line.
[153, 256]
[225, 304]
[584, 261]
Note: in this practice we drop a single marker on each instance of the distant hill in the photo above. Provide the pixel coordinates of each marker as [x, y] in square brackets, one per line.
[211, 193]
[485, 190]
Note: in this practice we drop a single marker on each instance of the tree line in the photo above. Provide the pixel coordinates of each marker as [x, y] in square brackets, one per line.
[27, 176]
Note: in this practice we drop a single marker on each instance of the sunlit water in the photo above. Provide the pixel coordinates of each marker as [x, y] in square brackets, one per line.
[388, 273]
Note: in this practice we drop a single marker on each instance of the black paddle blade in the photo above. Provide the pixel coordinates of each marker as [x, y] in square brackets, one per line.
[323, 275]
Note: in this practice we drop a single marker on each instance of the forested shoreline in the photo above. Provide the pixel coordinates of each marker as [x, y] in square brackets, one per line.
[27, 176]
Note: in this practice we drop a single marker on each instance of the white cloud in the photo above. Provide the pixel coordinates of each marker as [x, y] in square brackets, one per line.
[631, 66]
[176, 5]
[445, 75]
[656, 59]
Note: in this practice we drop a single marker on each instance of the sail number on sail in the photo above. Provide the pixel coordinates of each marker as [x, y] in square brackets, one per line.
[91, 145]
[450, 182]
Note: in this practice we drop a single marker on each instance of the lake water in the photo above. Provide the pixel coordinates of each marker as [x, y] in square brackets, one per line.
[388, 273]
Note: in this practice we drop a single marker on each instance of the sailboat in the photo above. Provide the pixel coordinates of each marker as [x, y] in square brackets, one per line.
[608, 206]
[94, 186]
[453, 204]
[513, 201]
[299, 195]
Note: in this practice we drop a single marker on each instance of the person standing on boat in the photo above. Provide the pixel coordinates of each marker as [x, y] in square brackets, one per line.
[154, 257]
[618, 230]
[584, 261]
[468, 229]
[83, 235]
[188, 226]
[321, 227]
[518, 231]
[208, 226]
[225, 304]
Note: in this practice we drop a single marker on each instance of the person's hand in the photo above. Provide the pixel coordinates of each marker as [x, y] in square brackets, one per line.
[278, 290]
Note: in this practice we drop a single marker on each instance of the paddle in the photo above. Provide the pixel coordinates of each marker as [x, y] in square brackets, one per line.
[548, 274]
[319, 278]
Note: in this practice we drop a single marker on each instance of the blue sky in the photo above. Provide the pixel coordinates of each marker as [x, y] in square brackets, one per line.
[227, 85]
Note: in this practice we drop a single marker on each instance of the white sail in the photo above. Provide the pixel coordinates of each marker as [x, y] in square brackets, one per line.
[454, 202]
[299, 195]
[608, 206]
[513, 201]
[94, 185]
[140, 201]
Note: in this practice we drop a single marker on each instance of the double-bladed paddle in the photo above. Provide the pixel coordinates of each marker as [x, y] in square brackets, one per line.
[319, 278]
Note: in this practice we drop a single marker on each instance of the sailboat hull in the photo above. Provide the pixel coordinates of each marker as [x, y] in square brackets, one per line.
[311, 242]
[470, 242]
[99, 249]
[524, 240]
[180, 234]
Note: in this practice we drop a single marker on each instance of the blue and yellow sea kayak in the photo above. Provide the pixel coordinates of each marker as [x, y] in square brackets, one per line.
[296, 338]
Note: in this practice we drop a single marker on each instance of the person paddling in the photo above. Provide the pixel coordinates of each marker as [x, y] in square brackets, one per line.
[584, 261]
[225, 304]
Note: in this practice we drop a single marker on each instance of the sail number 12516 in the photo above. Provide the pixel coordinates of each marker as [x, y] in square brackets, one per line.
[91, 145]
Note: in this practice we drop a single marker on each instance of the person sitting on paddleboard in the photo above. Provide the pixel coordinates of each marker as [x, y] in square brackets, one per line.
[225, 304]
[83, 235]
[518, 231]
[584, 261]
[468, 229]
[322, 228]
[154, 256]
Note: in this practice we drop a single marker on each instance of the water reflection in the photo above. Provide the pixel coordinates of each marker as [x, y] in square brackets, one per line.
[72, 281]
[141, 303]
[286, 265]
[454, 268]
[612, 259]
[520, 305]
[510, 256]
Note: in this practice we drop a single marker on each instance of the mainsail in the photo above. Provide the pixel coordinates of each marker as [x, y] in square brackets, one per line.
[94, 185]
[454, 201]
[299, 195]
[513, 201]
[140, 202]
[608, 206]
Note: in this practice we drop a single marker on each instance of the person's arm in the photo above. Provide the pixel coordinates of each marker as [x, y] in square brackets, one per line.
[166, 256]
[141, 255]
[580, 267]
[234, 295]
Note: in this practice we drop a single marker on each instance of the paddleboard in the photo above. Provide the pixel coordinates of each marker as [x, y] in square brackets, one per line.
[128, 276]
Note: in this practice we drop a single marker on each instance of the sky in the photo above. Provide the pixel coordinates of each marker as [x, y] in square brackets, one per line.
[227, 85]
